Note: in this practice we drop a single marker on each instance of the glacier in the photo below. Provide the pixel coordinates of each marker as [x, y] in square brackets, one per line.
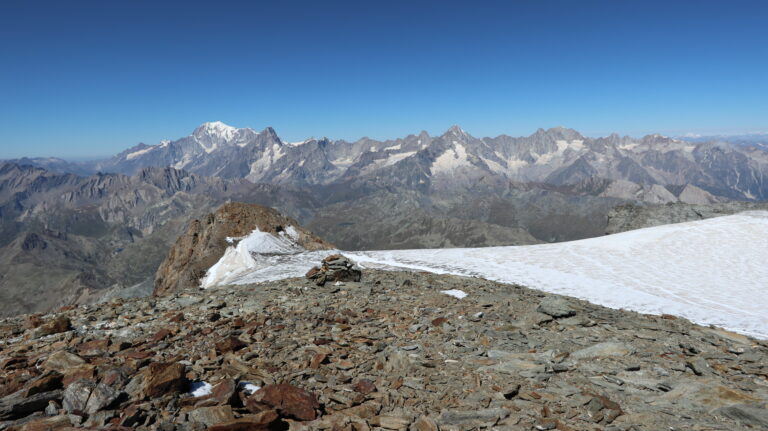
[712, 272]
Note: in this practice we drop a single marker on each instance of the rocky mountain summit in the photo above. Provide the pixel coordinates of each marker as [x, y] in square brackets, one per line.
[395, 351]
[631, 216]
[207, 239]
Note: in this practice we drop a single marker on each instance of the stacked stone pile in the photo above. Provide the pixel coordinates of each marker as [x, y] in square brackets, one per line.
[334, 268]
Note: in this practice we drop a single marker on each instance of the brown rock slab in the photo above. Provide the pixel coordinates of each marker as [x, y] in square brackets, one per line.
[58, 325]
[257, 422]
[62, 361]
[290, 401]
[365, 386]
[212, 415]
[14, 407]
[49, 381]
[229, 344]
[163, 377]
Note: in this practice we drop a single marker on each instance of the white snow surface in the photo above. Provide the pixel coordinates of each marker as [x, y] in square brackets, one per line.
[135, 154]
[710, 271]
[248, 387]
[456, 293]
[200, 389]
[255, 251]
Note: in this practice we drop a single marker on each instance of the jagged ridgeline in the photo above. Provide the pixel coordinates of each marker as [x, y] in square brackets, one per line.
[698, 172]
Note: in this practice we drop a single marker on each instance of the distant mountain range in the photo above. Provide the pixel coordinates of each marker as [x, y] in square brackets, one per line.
[101, 228]
[558, 156]
[758, 140]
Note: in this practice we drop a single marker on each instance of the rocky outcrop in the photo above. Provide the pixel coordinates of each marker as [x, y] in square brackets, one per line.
[391, 352]
[631, 216]
[206, 240]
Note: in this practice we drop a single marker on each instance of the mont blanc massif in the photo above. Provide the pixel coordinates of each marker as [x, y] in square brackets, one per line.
[230, 280]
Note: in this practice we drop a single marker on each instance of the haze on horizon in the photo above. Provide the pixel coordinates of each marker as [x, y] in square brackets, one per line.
[96, 78]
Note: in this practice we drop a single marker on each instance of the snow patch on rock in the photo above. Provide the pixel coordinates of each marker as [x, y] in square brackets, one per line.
[135, 154]
[250, 253]
[200, 389]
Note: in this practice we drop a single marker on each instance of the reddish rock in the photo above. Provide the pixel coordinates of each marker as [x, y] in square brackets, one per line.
[93, 348]
[13, 363]
[212, 415]
[161, 335]
[365, 386]
[82, 372]
[257, 422]
[114, 377]
[133, 354]
[317, 360]
[229, 344]
[440, 321]
[315, 270]
[33, 321]
[62, 361]
[290, 401]
[223, 393]
[58, 325]
[163, 377]
[47, 382]
[48, 424]
[132, 416]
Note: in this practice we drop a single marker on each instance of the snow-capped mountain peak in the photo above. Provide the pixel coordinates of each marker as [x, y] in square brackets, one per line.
[215, 128]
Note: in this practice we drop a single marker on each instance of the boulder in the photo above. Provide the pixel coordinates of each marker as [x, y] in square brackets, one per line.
[212, 415]
[556, 307]
[76, 396]
[14, 406]
[290, 401]
[62, 361]
[163, 377]
[58, 325]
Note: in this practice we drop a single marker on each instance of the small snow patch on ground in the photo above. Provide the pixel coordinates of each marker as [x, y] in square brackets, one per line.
[200, 389]
[456, 293]
[248, 387]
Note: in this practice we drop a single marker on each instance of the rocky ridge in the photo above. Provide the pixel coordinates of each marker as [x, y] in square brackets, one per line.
[631, 216]
[206, 240]
[395, 351]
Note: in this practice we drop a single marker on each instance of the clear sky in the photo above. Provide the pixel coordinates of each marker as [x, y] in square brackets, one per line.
[92, 78]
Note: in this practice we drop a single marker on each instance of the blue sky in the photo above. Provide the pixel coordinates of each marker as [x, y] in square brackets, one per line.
[92, 78]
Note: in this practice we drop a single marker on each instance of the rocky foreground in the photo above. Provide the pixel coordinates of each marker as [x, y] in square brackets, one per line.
[389, 352]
